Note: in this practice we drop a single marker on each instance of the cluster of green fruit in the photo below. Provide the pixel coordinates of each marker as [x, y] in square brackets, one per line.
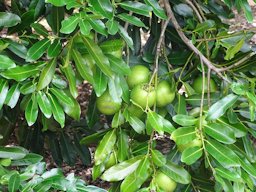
[143, 94]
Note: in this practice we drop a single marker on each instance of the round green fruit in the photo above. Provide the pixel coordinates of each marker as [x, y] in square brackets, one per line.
[139, 74]
[143, 95]
[198, 85]
[111, 161]
[106, 104]
[164, 94]
[164, 182]
[195, 143]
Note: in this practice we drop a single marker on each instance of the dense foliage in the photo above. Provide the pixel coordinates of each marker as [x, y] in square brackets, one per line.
[189, 79]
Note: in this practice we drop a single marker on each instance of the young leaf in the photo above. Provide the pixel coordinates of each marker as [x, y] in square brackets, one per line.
[37, 50]
[221, 106]
[46, 75]
[119, 171]
[184, 120]
[220, 132]
[105, 147]
[6, 62]
[191, 155]
[69, 25]
[31, 111]
[44, 104]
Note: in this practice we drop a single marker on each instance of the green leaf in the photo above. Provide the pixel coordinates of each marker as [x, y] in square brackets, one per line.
[184, 120]
[131, 19]
[58, 3]
[202, 27]
[191, 155]
[14, 183]
[116, 90]
[119, 171]
[9, 19]
[44, 104]
[228, 174]
[183, 135]
[31, 111]
[159, 11]
[82, 66]
[100, 82]
[158, 158]
[105, 147]
[18, 49]
[3, 91]
[220, 132]
[71, 77]
[57, 111]
[46, 75]
[137, 7]
[20, 73]
[37, 50]
[101, 60]
[69, 25]
[195, 100]
[85, 27]
[125, 88]
[123, 146]
[248, 167]
[230, 53]
[40, 29]
[134, 181]
[112, 26]
[29, 159]
[224, 155]
[221, 106]
[98, 26]
[113, 45]
[249, 148]
[61, 96]
[12, 152]
[118, 65]
[155, 121]
[176, 172]
[28, 87]
[117, 120]
[104, 7]
[12, 96]
[67, 149]
[126, 37]
[6, 62]
[54, 49]
[137, 124]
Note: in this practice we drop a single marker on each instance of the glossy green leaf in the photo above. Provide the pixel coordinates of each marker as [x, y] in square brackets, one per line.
[125, 88]
[98, 26]
[67, 149]
[230, 53]
[100, 82]
[40, 29]
[220, 132]
[28, 87]
[195, 99]
[103, 7]
[61, 96]
[134, 181]
[20, 73]
[158, 11]
[158, 158]
[224, 155]
[57, 111]
[180, 105]
[228, 174]
[56, 2]
[221, 106]
[249, 148]
[183, 135]
[9, 19]
[12, 152]
[46, 75]
[71, 77]
[54, 49]
[69, 25]
[184, 120]
[123, 146]
[6, 62]
[112, 26]
[137, 124]
[126, 37]
[101, 60]
[85, 27]
[12, 96]
[248, 167]
[31, 111]
[167, 126]
[37, 50]
[131, 19]
[116, 90]
[118, 65]
[137, 7]
[105, 147]
[202, 27]
[176, 172]
[191, 155]
[155, 122]
[117, 120]
[3, 91]
[14, 182]
[113, 45]
[44, 104]
[17, 48]
[82, 66]
[121, 170]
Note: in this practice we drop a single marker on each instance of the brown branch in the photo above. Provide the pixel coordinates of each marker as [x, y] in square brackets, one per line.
[195, 10]
[188, 42]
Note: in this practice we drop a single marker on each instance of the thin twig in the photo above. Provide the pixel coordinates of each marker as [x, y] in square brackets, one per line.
[208, 87]
[195, 10]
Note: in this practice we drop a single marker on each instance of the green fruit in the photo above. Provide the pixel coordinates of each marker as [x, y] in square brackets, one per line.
[143, 95]
[164, 182]
[111, 161]
[196, 142]
[164, 94]
[198, 85]
[106, 104]
[139, 74]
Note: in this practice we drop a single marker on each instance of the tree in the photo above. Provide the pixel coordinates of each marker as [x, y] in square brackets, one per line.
[189, 54]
